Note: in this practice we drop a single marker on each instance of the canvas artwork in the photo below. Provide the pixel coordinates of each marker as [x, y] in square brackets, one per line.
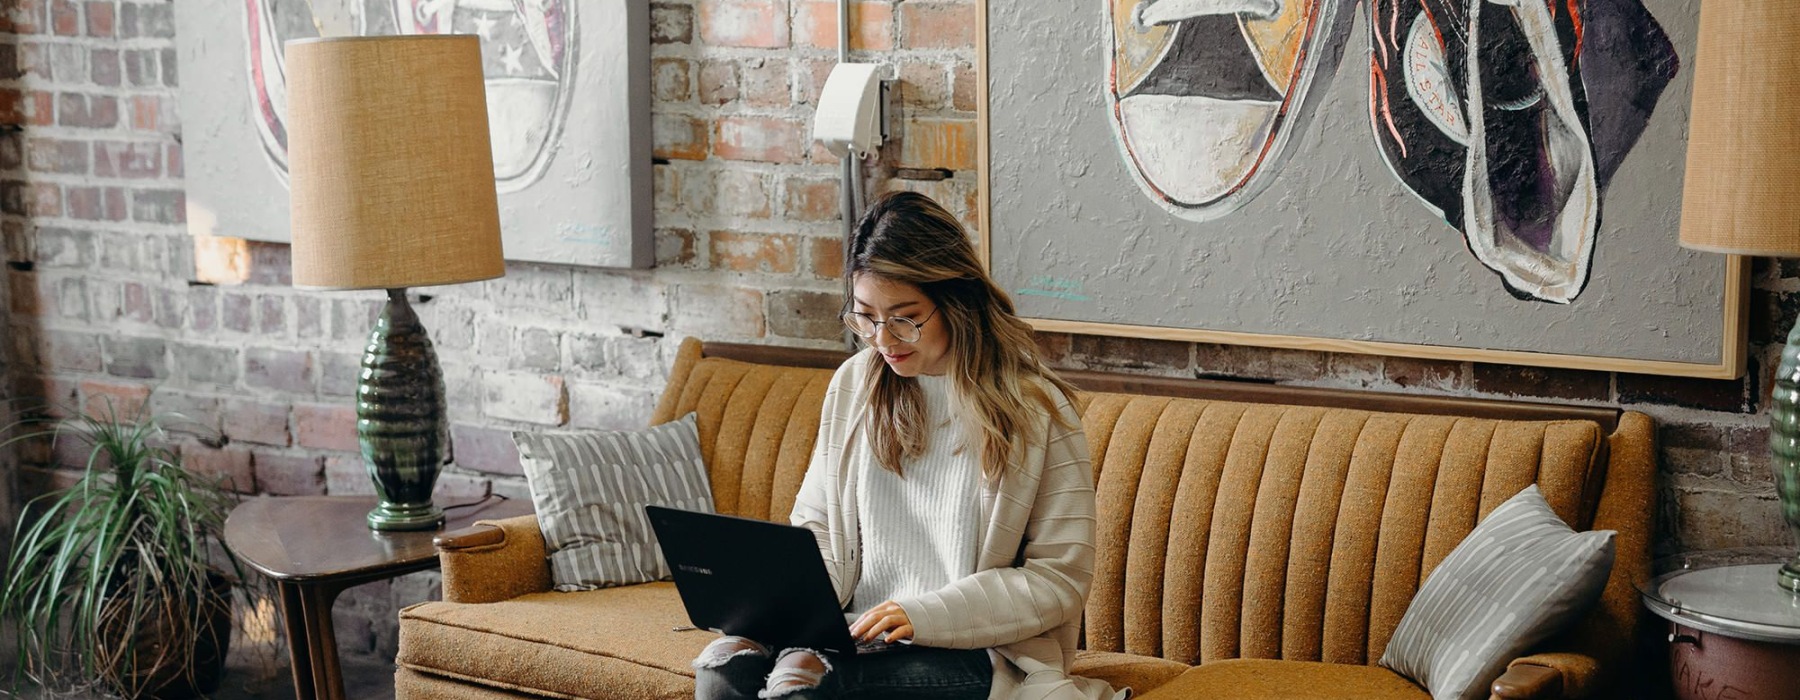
[568, 112]
[1421, 177]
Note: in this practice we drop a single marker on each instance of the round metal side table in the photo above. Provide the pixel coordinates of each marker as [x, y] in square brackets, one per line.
[1733, 633]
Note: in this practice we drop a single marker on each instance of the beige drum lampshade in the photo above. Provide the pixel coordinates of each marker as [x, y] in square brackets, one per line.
[390, 170]
[1742, 192]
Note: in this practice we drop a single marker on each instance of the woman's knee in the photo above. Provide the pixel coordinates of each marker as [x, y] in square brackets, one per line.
[724, 649]
[796, 670]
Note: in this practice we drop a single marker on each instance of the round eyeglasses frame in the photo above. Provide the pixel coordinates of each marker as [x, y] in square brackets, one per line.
[902, 329]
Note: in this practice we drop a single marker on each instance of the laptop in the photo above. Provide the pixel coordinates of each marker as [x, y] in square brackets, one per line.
[755, 579]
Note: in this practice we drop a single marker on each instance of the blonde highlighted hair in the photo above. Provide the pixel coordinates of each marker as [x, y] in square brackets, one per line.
[994, 360]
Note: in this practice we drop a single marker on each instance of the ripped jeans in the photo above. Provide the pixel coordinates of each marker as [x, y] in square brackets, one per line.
[734, 668]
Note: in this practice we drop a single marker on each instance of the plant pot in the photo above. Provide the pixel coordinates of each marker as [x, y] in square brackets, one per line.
[170, 655]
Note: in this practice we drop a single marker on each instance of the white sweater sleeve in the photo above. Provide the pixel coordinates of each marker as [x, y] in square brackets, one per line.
[817, 499]
[1048, 584]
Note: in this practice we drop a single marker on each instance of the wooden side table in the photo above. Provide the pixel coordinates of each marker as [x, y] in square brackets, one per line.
[314, 547]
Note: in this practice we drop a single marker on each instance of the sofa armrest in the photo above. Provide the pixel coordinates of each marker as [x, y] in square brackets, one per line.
[1548, 675]
[493, 560]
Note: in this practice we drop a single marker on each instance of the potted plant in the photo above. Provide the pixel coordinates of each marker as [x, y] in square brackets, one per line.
[119, 581]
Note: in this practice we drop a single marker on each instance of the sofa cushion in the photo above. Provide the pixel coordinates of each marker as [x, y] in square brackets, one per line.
[1139, 673]
[1519, 578]
[608, 643]
[590, 488]
[1266, 679]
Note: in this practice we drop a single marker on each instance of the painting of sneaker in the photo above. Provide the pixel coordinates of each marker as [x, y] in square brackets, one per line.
[1480, 108]
[1204, 94]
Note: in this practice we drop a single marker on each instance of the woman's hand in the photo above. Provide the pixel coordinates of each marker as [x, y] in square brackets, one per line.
[886, 617]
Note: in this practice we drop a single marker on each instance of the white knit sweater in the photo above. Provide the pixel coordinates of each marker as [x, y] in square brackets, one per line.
[920, 528]
[1036, 560]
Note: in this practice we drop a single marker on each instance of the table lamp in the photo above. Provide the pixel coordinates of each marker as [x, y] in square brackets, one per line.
[392, 183]
[1742, 192]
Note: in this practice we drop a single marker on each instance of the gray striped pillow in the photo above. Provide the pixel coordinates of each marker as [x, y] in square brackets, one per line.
[590, 489]
[1521, 576]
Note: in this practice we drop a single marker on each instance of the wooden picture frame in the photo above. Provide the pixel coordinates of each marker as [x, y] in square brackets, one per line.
[1731, 343]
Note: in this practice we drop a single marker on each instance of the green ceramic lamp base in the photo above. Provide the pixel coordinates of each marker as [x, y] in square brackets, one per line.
[1784, 445]
[400, 419]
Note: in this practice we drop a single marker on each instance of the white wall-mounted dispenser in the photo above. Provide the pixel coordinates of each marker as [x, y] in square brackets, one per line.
[850, 115]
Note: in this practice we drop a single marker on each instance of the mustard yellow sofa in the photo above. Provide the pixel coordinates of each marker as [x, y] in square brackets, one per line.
[1255, 541]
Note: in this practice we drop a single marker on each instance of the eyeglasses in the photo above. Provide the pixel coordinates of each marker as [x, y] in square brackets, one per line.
[901, 328]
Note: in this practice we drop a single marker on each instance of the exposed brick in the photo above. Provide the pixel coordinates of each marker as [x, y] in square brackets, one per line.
[937, 25]
[104, 68]
[138, 358]
[230, 466]
[170, 69]
[754, 252]
[141, 67]
[1732, 395]
[57, 156]
[158, 206]
[810, 199]
[203, 308]
[12, 150]
[239, 311]
[271, 315]
[96, 203]
[759, 24]
[109, 401]
[339, 373]
[540, 288]
[280, 370]
[871, 25]
[627, 300]
[45, 200]
[171, 308]
[354, 319]
[530, 398]
[718, 312]
[675, 247]
[485, 449]
[743, 194]
[60, 247]
[141, 20]
[309, 319]
[795, 313]
[174, 161]
[288, 475]
[1354, 370]
[1542, 382]
[187, 414]
[136, 304]
[326, 427]
[65, 18]
[671, 79]
[763, 82]
[128, 159]
[827, 258]
[1132, 353]
[13, 107]
[671, 24]
[100, 19]
[679, 137]
[253, 421]
[718, 81]
[70, 351]
[924, 85]
[207, 364]
[1435, 375]
[603, 406]
[72, 299]
[87, 111]
[965, 87]
[938, 143]
[765, 139]
[347, 475]
[537, 349]
[9, 62]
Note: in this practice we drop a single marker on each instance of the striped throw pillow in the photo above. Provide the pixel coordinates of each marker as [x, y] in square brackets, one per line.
[590, 489]
[1521, 576]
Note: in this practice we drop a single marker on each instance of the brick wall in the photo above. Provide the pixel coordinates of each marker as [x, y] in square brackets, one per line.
[103, 307]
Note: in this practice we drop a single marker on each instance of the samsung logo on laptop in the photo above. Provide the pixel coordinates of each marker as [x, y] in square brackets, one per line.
[690, 568]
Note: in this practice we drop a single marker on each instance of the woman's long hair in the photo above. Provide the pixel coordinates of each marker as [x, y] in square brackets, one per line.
[993, 358]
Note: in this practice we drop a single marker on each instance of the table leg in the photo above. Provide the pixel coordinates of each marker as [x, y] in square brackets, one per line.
[327, 676]
[293, 618]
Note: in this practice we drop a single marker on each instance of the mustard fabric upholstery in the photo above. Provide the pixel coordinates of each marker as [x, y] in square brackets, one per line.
[1139, 673]
[1262, 679]
[608, 643]
[1228, 531]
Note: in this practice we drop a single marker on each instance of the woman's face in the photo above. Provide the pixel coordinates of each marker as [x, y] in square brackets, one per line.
[883, 299]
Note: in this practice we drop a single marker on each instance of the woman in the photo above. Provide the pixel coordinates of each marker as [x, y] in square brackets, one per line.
[950, 489]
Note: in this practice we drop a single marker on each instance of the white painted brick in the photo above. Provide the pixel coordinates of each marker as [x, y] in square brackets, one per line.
[608, 406]
[622, 299]
[528, 398]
